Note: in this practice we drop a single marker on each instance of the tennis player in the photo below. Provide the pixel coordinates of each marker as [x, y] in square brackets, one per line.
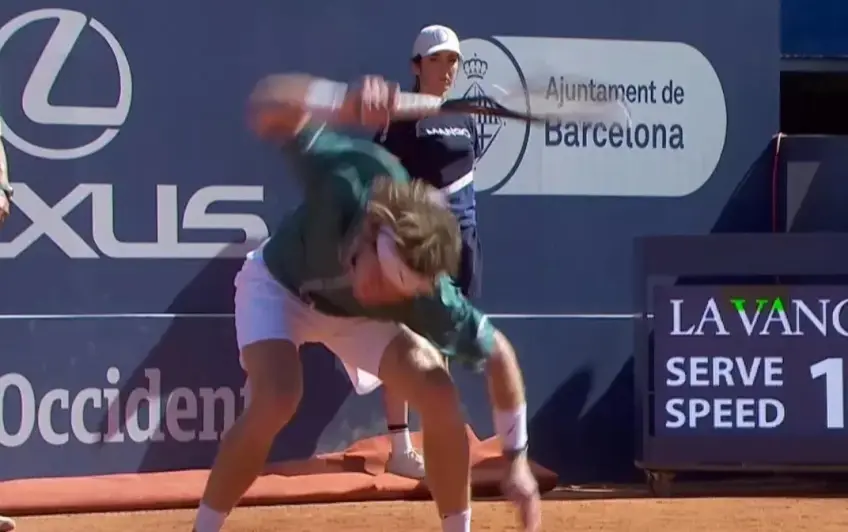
[363, 267]
[441, 150]
[6, 523]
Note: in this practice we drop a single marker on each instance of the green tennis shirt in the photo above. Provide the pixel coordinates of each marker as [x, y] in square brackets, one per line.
[308, 252]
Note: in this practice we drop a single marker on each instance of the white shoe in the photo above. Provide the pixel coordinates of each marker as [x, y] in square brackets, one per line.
[6, 524]
[409, 464]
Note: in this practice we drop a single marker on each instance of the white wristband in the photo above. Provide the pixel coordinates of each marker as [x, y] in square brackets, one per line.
[323, 94]
[511, 427]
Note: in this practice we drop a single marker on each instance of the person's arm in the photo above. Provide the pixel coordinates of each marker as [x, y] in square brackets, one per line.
[279, 111]
[5, 184]
[282, 103]
[459, 330]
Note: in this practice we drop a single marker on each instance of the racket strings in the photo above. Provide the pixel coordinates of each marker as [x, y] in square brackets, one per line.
[572, 98]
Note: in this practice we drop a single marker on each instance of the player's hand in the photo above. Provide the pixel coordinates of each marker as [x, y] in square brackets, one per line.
[521, 488]
[375, 100]
[275, 108]
[5, 207]
[280, 89]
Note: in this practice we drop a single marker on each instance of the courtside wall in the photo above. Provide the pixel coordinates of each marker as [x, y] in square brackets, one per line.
[138, 184]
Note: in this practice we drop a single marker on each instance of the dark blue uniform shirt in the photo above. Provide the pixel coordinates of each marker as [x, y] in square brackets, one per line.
[442, 150]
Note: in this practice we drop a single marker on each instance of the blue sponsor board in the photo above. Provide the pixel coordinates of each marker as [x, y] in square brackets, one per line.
[139, 189]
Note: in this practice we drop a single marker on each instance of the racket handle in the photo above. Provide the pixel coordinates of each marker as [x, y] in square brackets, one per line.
[326, 95]
[416, 104]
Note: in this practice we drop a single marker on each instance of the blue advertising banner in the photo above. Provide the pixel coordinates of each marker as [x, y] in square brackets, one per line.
[814, 28]
[139, 189]
[754, 375]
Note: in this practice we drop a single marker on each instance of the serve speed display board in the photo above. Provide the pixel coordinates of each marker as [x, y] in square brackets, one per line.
[751, 374]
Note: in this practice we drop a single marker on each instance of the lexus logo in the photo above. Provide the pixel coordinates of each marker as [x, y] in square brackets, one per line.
[35, 100]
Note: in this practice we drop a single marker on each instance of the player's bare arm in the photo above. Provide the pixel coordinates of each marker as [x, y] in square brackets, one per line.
[506, 393]
[462, 332]
[282, 104]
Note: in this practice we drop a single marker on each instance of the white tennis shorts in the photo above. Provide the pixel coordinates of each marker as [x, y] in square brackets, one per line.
[266, 310]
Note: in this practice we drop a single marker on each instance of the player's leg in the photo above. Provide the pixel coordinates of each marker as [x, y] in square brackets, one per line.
[266, 323]
[404, 459]
[410, 366]
[275, 380]
[6, 524]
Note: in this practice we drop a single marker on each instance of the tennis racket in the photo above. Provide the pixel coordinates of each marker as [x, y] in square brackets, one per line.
[539, 99]
[535, 99]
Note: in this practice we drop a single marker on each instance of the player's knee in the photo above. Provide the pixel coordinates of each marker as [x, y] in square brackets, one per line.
[436, 393]
[270, 408]
[413, 368]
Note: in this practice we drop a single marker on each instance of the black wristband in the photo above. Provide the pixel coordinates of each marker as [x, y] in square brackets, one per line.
[8, 191]
[512, 454]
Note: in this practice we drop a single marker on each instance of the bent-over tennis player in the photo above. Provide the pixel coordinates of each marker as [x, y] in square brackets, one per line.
[363, 266]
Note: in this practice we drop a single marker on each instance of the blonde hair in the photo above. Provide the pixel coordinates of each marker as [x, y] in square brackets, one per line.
[426, 232]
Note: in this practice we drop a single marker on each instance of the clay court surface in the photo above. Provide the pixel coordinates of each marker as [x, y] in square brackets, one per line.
[631, 515]
[765, 504]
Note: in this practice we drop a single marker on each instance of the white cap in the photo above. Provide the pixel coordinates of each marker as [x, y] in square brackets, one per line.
[433, 39]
